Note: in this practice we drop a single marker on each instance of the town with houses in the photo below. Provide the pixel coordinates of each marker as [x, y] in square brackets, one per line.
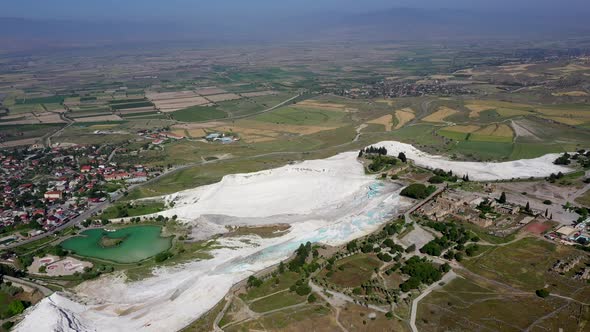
[45, 188]
[396, 89]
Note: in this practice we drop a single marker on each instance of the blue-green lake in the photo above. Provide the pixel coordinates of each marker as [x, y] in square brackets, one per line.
[128, 245]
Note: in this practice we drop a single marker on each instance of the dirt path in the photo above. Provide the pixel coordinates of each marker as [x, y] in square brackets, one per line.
[337, 296]
[334, 302]
[269, 295]
[44, 290]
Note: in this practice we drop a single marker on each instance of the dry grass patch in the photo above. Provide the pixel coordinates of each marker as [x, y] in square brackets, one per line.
[440, 115]
[441, 77]
[572, 67]
[475, 109]
[180, 132]
[25, 141]
[203, 125]
[103, 126]
[386, 101]
[404, 116]
[259, 93]
[48, 117]
[223, 97]
[566, 120]
[173, 101]
[156, 96]
[17, 116]
[515, 69]
[570, 117]
[504, 109]
[510, 112]
[255, 131]
[196, 133]
[210, 91]
[565, 113]
[386, 121]
[570, 94]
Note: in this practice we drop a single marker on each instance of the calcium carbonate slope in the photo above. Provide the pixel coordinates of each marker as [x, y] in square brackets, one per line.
[341, 203]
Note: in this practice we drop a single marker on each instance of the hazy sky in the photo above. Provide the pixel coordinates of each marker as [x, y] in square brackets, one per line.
[208, 9]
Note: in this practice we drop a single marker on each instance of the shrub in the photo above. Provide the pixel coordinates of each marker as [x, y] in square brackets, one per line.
[302, 290]
[15, 307]
[7, 325]
[542, 292]
[418, 191]
[470, 250]
[162, 256]
[254, 282]
[384, 257]
[436, 179]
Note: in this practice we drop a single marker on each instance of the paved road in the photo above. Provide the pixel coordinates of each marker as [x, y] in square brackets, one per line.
[445, 279]
[46, 291]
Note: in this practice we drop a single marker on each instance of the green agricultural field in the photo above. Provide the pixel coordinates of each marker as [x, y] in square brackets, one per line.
[142, 114]
[124, 101]
[138, 104]
[121, 210]
[457, 136]
[302, 116]
[199, 113]
[533, 150]
[488, 138]
[41, 100]
[484, 150]
[421, 134]
[25, 108]
[27, 131]
[246, 106]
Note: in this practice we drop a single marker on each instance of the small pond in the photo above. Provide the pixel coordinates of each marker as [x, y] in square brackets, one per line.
[125, 245]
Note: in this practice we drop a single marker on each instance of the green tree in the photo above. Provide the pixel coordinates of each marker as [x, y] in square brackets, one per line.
[502, 198]
[543, 292]
[402, 156]
[281, 267]
[15, 307]
[254, 282]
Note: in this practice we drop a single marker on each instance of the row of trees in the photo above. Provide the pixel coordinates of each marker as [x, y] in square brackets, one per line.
[441, 176]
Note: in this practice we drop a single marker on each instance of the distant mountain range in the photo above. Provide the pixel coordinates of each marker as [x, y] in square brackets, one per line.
[394, 24]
